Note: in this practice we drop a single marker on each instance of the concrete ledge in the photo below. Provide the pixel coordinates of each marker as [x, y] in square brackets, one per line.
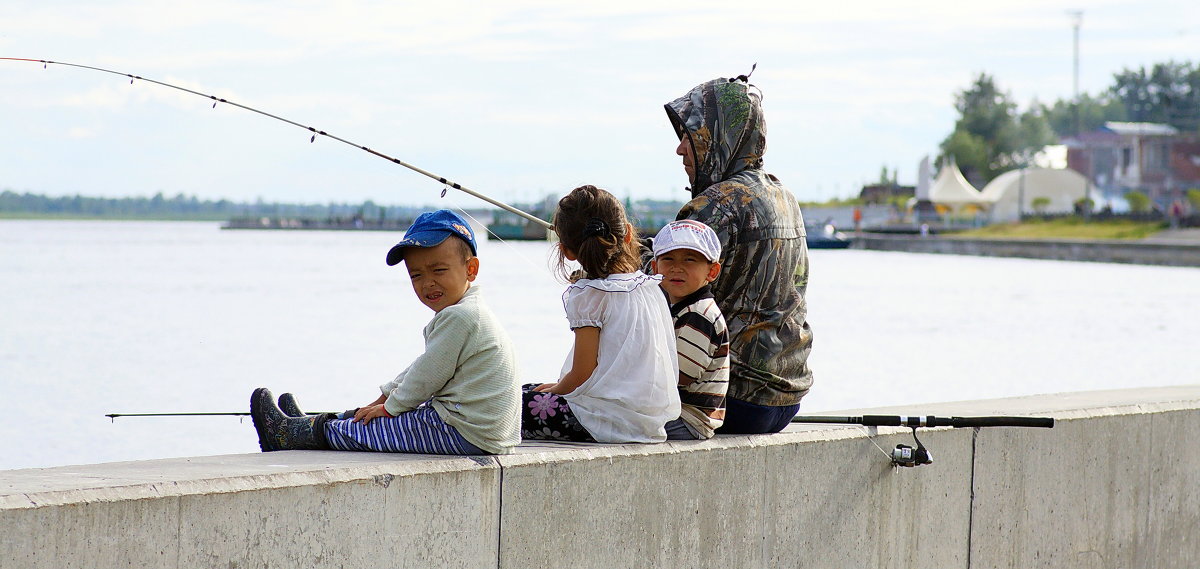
[293, 509]
[1144, 253]
[1112, 485]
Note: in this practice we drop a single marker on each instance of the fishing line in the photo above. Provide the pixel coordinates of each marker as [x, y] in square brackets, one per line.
[871, 432]
[315, 132]
[520, 254]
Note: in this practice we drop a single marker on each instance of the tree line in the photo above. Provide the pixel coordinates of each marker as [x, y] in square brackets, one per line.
[991, 136]
[182, 207]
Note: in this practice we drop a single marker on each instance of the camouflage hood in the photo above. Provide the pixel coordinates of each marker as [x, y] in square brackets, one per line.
[724, 120]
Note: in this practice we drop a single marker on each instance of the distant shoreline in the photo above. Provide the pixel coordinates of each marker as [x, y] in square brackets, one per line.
[15, 216]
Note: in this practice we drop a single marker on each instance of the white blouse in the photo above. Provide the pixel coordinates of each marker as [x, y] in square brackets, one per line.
[632, 393]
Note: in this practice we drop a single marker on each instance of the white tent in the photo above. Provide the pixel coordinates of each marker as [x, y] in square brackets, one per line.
[1062, 187]
[952, 190]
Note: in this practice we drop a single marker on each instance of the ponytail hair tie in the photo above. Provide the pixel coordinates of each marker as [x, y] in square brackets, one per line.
[595, 227]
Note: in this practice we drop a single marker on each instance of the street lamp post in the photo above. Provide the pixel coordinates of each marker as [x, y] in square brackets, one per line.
[1076, 22]
[1021, 197]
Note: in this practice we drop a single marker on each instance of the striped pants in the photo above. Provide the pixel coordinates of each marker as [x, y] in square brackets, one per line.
[420, 431]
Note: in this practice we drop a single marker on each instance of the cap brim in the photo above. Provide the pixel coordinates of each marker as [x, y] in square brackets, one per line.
[423, 239]
[670, 248]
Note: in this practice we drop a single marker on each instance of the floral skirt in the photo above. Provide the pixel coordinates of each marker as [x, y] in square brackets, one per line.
[548, 417]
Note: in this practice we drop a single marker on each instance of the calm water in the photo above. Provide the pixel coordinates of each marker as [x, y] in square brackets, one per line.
[106, 317]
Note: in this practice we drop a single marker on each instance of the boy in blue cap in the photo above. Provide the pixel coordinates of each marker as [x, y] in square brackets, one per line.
[460, 396]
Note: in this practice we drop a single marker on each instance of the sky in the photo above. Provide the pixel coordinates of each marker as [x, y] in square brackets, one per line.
[520, 99]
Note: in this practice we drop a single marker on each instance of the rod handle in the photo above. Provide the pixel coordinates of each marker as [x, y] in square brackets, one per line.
[932, 421]
[1042, 422]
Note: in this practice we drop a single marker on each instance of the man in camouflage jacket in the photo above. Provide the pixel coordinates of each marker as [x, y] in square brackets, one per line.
[764, 264]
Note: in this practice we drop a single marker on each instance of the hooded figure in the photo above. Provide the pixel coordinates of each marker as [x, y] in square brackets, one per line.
[764, 253]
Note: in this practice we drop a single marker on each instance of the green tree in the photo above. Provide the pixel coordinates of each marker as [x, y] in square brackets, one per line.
[1138, 202]
[990, 137]
[1093, 113]
[1193, 197]
[1166, 93]
[1040, 203]
[1033, 134]
[968, 150]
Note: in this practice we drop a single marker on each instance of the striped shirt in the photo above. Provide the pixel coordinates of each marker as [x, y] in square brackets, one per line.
[702, 342]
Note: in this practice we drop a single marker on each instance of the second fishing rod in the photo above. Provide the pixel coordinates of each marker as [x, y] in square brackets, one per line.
[905, 455]
[315, 132]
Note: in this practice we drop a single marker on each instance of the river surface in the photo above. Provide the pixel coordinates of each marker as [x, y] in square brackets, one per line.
[102, 317]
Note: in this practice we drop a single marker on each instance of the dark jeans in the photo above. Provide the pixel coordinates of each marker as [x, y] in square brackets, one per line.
[743, 418]
[677, 431]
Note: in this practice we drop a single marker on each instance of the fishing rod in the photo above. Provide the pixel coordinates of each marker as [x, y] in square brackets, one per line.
[905, 455]
[315, 133]
[113, 416]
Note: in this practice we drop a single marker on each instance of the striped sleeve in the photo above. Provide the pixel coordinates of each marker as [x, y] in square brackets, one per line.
[693, 339]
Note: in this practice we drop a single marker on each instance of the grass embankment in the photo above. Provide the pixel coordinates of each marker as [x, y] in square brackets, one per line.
[1068, 228]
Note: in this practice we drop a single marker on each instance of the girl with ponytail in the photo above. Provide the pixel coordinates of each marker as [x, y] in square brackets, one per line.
[618, 384]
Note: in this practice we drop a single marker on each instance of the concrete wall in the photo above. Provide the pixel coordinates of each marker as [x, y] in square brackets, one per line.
[1184, 255]
[1114, 484]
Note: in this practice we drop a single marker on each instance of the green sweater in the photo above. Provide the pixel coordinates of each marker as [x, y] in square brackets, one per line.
[469, 371]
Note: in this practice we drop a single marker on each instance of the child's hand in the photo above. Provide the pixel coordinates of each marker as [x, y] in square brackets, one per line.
[366, 414]
[559, 388]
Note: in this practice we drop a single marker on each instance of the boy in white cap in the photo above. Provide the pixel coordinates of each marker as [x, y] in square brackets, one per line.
[687, 254]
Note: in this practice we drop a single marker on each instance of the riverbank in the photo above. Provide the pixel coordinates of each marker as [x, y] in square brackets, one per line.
[1179, 247]
[1072, 227]
[1109, 486]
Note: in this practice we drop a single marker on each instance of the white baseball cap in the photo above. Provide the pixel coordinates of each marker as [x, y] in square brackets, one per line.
[688, 234]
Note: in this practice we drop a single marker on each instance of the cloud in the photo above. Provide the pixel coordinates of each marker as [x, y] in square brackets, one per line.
[79, 132]
[470, 86]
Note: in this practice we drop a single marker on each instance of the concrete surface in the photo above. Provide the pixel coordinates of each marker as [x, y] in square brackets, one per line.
[1184, 235]
[1112, 485]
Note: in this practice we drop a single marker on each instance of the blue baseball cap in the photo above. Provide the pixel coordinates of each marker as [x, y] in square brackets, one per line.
[429, 230]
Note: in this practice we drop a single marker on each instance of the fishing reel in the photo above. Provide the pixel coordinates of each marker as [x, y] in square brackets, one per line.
[904, 455]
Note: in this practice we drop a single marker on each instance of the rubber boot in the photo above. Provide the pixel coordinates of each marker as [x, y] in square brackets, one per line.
[287, 403]
[277, 431]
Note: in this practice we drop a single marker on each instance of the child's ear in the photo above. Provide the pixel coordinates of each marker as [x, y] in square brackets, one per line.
[472, 268]
[567, 252]
[714, 270]
[654, 266]
[628, 232]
